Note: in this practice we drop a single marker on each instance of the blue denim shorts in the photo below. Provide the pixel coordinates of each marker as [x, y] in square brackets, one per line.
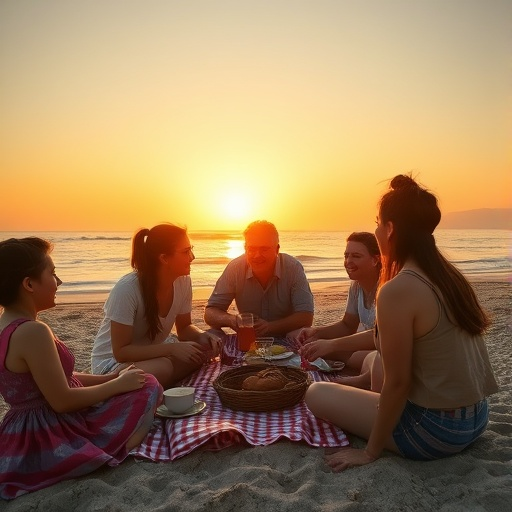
[427, 434]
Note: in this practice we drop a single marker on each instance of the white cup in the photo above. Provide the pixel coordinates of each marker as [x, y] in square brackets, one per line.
[178, 400]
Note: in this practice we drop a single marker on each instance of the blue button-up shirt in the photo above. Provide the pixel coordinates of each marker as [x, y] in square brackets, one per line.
[287, 292]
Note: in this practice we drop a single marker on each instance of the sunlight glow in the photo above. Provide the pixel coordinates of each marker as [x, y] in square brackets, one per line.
[236, 206]
[254, 117]
[234, 248]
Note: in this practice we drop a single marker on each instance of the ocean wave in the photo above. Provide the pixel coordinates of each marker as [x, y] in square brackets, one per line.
[211, 261]
[92, 262]
[215, 235]
[96, 261]
[88, 284]
[488, 265]
[327, 279]
[95, 239]
[486, 261]
[307, 257]
[331, 270]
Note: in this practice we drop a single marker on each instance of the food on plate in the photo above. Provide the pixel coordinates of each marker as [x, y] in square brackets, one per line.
[266, 380]
[275, 350]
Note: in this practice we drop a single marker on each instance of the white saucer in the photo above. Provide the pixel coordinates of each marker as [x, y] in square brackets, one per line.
[198, 407]
[284, 355]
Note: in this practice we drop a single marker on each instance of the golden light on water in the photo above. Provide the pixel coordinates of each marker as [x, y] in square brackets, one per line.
[234, 248]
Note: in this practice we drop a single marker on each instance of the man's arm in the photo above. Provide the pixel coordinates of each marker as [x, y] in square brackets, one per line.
[216, 312]
[218, 318]
[284, 325]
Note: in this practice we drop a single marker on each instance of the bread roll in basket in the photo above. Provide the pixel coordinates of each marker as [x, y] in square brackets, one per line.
[292, 387]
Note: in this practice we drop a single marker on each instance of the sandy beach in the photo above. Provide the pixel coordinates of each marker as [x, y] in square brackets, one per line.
[289, 476]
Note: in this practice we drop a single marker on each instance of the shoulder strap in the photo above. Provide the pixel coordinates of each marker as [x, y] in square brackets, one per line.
[428, 283]
[5, 336]
[415, 274]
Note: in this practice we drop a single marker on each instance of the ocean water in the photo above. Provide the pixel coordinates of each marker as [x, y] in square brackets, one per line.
[90, 263]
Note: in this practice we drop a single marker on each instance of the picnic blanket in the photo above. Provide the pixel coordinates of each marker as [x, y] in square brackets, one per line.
[218, 427]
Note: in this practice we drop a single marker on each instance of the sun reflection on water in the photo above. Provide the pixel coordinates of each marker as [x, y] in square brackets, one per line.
[234, 248]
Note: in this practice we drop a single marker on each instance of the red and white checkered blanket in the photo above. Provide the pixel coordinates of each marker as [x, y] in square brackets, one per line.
[218, 427]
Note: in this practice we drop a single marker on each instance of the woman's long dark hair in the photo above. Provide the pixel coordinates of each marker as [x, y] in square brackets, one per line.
[415, 214]
[147, 246]
[20, 258]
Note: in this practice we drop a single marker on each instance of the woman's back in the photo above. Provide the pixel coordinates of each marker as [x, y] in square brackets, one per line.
[450, 367]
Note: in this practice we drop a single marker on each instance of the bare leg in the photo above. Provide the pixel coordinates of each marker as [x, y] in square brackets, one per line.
[365, 379]
[355, 410]
[377, 373]
[356, 360]
[181, 370]
[139, 435]
[167, 371]
[362, 381]
[160, 367]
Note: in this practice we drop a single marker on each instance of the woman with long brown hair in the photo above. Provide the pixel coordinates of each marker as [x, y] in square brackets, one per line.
[428, 331]
[143, 307]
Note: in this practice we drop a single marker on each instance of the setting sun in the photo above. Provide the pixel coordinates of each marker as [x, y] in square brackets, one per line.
[236, 207]
[218, 116]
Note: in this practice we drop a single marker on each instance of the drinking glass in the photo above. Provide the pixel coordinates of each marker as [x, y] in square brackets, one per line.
[264, 347]
[245, 335]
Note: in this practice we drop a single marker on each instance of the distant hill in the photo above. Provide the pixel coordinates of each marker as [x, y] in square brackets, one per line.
[484, 218]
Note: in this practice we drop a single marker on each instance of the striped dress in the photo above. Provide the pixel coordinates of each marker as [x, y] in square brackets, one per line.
[39, 447]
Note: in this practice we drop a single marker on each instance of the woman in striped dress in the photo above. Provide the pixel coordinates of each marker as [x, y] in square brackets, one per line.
[61, 424]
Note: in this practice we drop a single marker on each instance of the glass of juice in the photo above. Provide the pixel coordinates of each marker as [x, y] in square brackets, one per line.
[246, 335]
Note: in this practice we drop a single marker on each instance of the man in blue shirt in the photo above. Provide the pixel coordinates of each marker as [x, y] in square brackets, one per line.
[271, 285]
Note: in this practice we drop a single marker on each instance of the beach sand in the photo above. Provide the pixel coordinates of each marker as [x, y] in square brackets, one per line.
[290, 476]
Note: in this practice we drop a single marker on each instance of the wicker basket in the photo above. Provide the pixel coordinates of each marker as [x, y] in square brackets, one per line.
[229, 388]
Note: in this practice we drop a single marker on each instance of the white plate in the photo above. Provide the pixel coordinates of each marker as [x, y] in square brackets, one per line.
[284, 355]
[198, 407]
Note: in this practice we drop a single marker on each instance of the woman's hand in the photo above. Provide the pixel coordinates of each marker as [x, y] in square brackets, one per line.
[307, 335]
[210, 343]
[316, 349]
[188, 352]
[347, 458]
[120, 369]
[130, 379]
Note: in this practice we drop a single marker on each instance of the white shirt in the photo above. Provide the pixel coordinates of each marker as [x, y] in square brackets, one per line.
[355, 306]
[126, 306]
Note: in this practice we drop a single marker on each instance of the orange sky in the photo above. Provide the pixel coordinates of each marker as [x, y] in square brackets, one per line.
[121, 114]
